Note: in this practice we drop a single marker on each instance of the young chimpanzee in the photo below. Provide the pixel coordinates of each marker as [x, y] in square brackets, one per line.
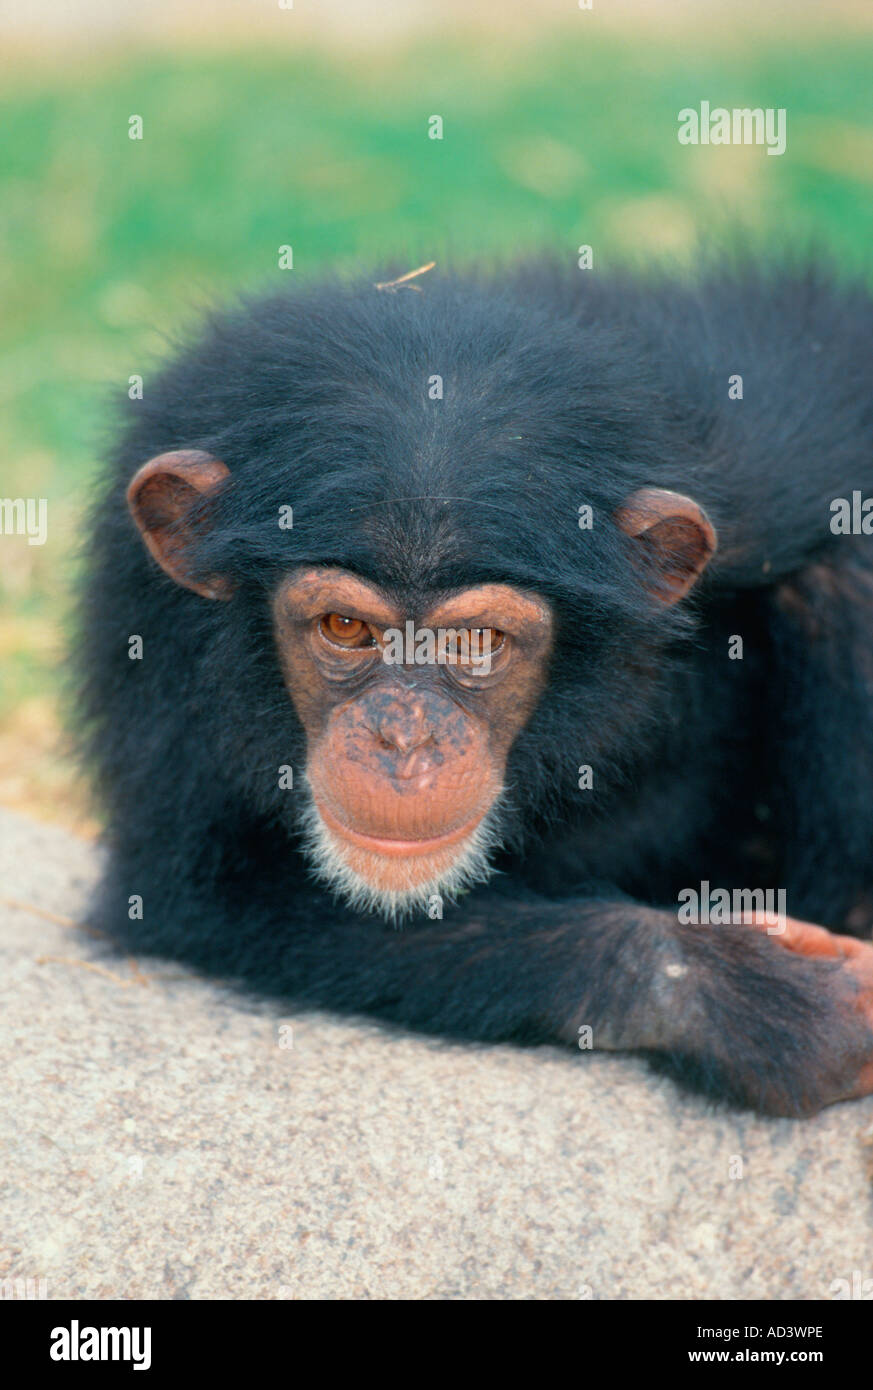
[481, 626]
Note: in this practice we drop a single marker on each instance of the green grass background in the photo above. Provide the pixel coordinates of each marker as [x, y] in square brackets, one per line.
[107, 245]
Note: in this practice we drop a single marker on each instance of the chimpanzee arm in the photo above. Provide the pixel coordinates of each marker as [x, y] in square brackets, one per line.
[770, 1022]
[729, 1009]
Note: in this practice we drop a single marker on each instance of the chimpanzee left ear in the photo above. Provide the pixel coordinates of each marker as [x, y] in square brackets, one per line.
[164, 498]
[677, 540]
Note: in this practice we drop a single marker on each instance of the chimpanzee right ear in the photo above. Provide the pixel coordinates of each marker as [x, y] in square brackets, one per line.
[163, 498]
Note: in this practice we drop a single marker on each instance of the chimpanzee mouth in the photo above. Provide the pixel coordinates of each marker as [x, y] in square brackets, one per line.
[392, 845]
[398, 878]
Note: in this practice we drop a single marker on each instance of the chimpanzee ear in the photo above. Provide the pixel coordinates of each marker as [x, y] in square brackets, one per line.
[163, 498]
[676, 537]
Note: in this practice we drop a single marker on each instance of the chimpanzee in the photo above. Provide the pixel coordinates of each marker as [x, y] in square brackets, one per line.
[446, 639]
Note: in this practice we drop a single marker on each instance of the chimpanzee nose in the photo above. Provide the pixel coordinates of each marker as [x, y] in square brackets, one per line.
[404, 726]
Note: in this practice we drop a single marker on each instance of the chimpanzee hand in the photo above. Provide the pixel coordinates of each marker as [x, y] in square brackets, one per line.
[847, 985]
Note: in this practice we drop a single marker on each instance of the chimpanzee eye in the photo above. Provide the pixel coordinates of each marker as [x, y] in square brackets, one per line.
[472, 643]
[346, 632]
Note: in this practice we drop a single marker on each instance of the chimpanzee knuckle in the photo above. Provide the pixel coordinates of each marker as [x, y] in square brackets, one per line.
[792, 1046]
[844, 1057]
[860, 969]
[864, 1082]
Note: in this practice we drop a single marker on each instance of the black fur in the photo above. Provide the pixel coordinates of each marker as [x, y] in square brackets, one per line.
[560, 388]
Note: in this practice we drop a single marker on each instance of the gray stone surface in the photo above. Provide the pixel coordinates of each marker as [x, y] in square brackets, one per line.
[158, 1141]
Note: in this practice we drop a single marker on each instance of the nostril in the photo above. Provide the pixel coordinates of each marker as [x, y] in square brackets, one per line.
[401, 741]
[412, 742]
[378, 736]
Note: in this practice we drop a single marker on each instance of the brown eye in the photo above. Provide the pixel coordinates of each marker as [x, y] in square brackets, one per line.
[472, 644]
[491, 638]
[346, 632]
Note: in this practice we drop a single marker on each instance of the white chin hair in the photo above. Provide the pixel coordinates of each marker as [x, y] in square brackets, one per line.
[409, 885]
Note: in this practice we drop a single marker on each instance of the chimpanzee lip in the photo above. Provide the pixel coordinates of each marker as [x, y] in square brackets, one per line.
[381, 844]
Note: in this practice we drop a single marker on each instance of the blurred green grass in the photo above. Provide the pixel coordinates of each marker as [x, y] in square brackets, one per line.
[108, 245]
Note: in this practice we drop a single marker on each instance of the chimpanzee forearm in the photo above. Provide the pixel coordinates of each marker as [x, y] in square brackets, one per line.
[728, 1008]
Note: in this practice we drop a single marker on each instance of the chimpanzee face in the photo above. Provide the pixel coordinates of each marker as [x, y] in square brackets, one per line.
[409, 719]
